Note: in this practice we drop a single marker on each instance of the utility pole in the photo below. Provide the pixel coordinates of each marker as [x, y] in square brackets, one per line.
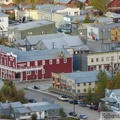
[112, 69]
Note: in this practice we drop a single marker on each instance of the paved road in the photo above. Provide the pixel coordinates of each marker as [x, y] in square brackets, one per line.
[92, 115]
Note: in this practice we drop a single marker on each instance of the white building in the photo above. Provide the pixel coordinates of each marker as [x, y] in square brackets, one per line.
[3, 22]
[70, 11]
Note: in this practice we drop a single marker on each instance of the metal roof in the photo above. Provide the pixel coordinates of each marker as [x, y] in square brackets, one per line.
[36, 104]
[41, 54]
[44, 107]
[16, 104]
[85, 76]
[60, 40]
[23, 110]
[30, 25]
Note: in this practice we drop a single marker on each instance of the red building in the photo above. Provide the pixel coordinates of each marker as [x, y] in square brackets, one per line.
[114, 3]
[33, 65]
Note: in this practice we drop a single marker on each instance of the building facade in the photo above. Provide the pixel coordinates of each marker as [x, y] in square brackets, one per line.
[38, 27]
[33, 65]
[101, 60]
[76, 83]
[115, 34]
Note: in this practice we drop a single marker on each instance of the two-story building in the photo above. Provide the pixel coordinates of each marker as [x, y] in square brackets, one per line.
[101, 60]
[77, 83]
[38, 27]
[33, 65]
[115, 34]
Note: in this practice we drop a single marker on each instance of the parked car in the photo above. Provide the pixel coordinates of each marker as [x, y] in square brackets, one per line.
[82, 104]
[73, 114]
[35, 87]
[63, 98]
[94, 107]
[72, 101]
[83, 116]
[31, 100]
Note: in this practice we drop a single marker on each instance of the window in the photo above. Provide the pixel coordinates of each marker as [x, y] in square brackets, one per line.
[53, 111]
[43, 62]
[84, 84]
[28, 72]
[102, 59]
[78, 84]
[4, 62]
[28, 64]
[92, 60]
[97, 60]
[36, 63]
[93, 89]
[50, 62]
[43, 71]
[65, 60]
[9, 63]
[1, 60]
[107, 58]
[73, 91]
[36, 71]
[78, 91]
[84, 90]
[89, 83]
[57, 61]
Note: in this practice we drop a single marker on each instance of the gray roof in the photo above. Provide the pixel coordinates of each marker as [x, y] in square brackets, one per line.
[29, 25]
[59, 39]
[3, 15]
[85, 76]
[37, 54]
[44, 107]
[116, 92]
[109, 99]
[5, 105]
[41, 54]
[107, 26]
[67, 1]
[36, 104]
[105, 19]
[23, 110]
[16, 104]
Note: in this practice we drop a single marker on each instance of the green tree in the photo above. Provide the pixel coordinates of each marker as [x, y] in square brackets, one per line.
[17, 1]
[88, 98]
[101, 5]
[79, 5]
[101, 85]
[10, 93]
[117, 80]
[87, 19]
[62, 113]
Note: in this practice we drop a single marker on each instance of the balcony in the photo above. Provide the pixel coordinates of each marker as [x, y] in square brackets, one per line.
[21, 69]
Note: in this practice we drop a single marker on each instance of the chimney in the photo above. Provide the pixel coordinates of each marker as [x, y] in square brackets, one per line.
[61, 55]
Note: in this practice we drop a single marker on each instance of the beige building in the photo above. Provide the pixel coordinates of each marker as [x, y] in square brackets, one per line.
[75, 83]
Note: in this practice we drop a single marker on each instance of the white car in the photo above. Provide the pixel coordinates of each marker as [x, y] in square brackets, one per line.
[83, 117]
[63, 98]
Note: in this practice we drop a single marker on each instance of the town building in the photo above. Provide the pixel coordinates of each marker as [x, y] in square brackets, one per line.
[19, 111]
[38, 27]
[33, 65]
[75, 83]
[112, 99]
[115, 34]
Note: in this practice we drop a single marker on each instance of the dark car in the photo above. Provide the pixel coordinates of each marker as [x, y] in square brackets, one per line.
[73, 101]
[72, 114]
[31, 101]
[82, 104]
[94, 107]
[35, 87]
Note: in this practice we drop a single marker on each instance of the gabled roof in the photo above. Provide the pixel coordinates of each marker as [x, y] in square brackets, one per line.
[3, 15]
[44, 107]
[116, 92]
[85, 76]
[16, 104]
[22, 110]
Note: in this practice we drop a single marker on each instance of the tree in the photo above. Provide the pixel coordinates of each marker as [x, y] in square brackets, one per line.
[101, 85]
[79, 5]
[88, 98]
[16, 2]
[62, 113]
[10, 93]
[87, 19]
[101, 5]
[117, 80]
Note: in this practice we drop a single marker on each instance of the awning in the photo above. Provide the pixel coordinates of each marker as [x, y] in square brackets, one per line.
[109, 99]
